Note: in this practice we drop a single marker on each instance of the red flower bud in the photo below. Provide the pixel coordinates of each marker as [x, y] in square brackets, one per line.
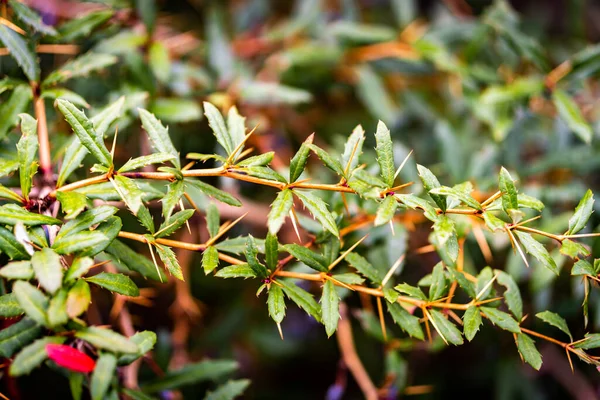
[70, 358]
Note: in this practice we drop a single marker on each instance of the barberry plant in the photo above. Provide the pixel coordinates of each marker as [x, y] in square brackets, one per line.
[62, 234]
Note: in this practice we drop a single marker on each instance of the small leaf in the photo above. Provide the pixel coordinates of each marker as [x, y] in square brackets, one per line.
[592, 341]
[445, 328]
[502, 319]
[536, 249]
[310, 258]
[159, 60]
[79, 267]
[129, 192]
[48, 269]
[26, 150]
[431, 182]
[70, 358]
[492, 222]
[555, 320]
[210, 370]
[72, 203]
[279, 210]
[83, 65]
[530, 354]
[140, 162]
[78, 298]
[327, 159]
[32, 301]
[510, 199]
[159, 136]
[386, 210]
[318, 209]
[353, 149]
[570, 113]
[10, 246]
[10, 109]
[169, 258]
[9, 306]
[302, 298]
[385, 154]
[175, 222]
[145, 341]
[57, 311]
[271, 251]
[107, 340]
[18, 335]
[237, 128]
[250, 253]
[471, 322]
[573, 249]
[583, 267]
[582, 214]
[17, 270]
[229, 390]
[298, 162]
[102, 376]
[330, 308]
[210, 259]
[438, 282]
[217, 124]
[31, 18]
[460, 195]
[236, 271]
[364, 268]
[32, 356]
[215, 193]
[276, 303]
[11, 214]
[412, 291]
[260, 160]
[408, 322]
[117, 283]
[512, 295]
[174, 193]
[134, 261]
[21, 52]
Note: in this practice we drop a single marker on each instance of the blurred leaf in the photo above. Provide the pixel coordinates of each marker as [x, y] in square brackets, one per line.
[117, 283]
[48, 269]
[107, 340]
[210, 259]
[21, 51]
[573, 249]
[145, 341]
[9, 307]
[57, 311]
[209, 370]
[229, 390]
[355, 33]
[10, 246]
[373, 94]
[582, 267]
[32, 301]
[270, 93]
[146, 10]
[78, 298]
[17, 270]
[176, 110]
[32, 356]
[26, 149]
[569, 112]
[102, 376]
[530, 354]
[11, 108]
[31, 18]
[84, 25]
[81, 66]
[582, 214]
[18, 335]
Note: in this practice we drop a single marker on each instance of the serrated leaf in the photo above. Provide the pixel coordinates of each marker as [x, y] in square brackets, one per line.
[10, 109]
[72, 203]
[9, 306]
[102, 376]
[129, 192]
[89, 243]
[302, 298]
[538, 251]
[592, 341]
[526, 201]
[159, 136]
[17, 270]
[66, 94]
[21, 51]
[279, 210]
[445, 328]
[26, 152]
[492, 222]
[463, 282]
[438, 282]
[327, 159]
[460, 195]
[573, 249]
[57, 311]
[330, 304]
[318, 209]
[408, 322]
[385, 154]
[84, 25]
[31, 18]
[571, 114]
[510, 199]
[271, 251]
[236, 271]
[139, 162]
[78, 298]
[353, 149]
[237, 128]
[501, 319]
[87, 220]
[251, 253]
[145, 341]
[208, 370]
[174, 193]
[264, 173]
[175, 222]
[32, 301]
[431, 182]
[48, 269]
[169, 258]
[117, 283]
[107, 339]
[260, 160]
[84, 129]
[10, 246]
[217, 124]
[471, 322]
[412, 291]
[18, 335]
[134, 261]
[582, 214]
[276, 303]
[298, 162]
[215, 193]
[229, 390]
[512, 295]
[314, 260]
[11, 214]
[415, 202]
[83, 65]
[210, 259]
[528, 351]
[555, 320]
[365, 268]
[32, 356]
[583, 267]
[386, 210]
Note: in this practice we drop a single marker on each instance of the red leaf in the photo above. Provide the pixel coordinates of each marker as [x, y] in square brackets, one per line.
[70, 358]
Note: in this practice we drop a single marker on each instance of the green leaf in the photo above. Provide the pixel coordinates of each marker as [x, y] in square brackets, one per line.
[217, 124]
[17, 270]
[169, 258]
[271, 251]
[26, 149]
[536, 249]
[260, 160]
[555, 320]
[8, 194]
[276, 303]
[298, 162]
[229, 390]
[573, 249]
[415, 202]
[592, 341]
[431, 182]
[310, 258]
[250, 253]
[264, 173]
[570, 113]
[134, 261]
[279, 210]
[117, 283]
[215, 193]
[87, 243]
[66, 94]
[412, 291]
[386, 210]
[445, 328]
[327, 159]
[236, 271]
[208, 370]
[526, 201]
[129, 192]
[78, 298]
[159, 136]
[464, 283]
[302, 298]
[84, 129]
[21, 51]
[353, 149]
[72, 203]
[31, 18]
[176, 110]
[492, 222]
[330, 303]
[471, 322]
[18, 335]
[48, 269]
[583, 267]
[57, 311]
[32, 356]
[86, 220]
[210, 259]
[462, 196]
[510, 201]
[11, 246]
[582, 214]
[385, 154]
[102, 376]
[83, 65]
[145, 341]
[530, 354]
[237, 128]
[159, 60]
[11, 214]
[408, 322]
[32, 301]
[9, 306]
[11, 108]
[501, 319]
[139, 162]
[512, 295]
[365, 268]
[83, 26]
[174, 193]
[444, 230]
[318, 209]
[107, 340]
[438, 282]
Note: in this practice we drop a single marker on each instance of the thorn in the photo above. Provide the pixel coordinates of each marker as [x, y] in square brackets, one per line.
[154, 260]
[224, 229]
[402, 165]
[280, 331]
[381, 319]
[344, 254]
[114, 145]
[187, 222]
[392, 270]
[293, 217]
